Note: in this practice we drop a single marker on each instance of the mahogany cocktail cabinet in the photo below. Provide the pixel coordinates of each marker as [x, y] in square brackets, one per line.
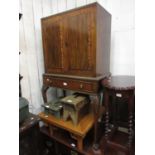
[76, 46]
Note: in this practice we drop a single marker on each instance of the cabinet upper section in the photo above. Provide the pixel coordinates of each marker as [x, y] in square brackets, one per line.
[77, 42]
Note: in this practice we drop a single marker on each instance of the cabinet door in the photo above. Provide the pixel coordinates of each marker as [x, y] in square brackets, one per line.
[52, 44]
[80, 42]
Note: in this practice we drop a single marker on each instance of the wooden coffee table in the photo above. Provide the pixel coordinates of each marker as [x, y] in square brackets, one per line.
[77, 131]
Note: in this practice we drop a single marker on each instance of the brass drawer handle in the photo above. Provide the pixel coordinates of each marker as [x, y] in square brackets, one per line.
[65, 84]
[48, 80]
[119, 95]
[81, 86]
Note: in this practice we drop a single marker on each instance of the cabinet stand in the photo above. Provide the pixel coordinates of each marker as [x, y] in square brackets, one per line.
[95, 96]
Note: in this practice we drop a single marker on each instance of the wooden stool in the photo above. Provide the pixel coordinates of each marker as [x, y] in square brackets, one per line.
[76, 107]
[119, 86]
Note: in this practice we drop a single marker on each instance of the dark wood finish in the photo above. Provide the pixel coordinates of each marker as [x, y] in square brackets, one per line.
[31, 121]
[20, 77]
[44, 90]
[52, 41]
[87, 86]
[20, 90]
[119, 83]
[65, 139]
[97, 112]
[29, 136]
[20, 15]
[78, 38]
[122, 86]
[103, 33]
[77, 42]
[76, 46]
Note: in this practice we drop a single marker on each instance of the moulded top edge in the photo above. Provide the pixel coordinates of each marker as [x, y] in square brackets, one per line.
[67, 11]
[98, 77]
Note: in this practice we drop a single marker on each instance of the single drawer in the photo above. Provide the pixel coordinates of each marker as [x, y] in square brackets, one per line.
[71, 84]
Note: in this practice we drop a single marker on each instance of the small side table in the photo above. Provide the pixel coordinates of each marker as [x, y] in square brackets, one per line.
[119, 86]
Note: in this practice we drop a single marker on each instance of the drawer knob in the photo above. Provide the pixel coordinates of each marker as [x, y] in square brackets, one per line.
[48, 80]
[65, 84]
[118, 94]
[81, 86]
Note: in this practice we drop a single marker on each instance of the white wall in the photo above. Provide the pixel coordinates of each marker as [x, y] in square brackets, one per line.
[30, 41]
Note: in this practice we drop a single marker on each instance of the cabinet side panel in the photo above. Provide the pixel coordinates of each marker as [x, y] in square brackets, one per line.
[103, 41]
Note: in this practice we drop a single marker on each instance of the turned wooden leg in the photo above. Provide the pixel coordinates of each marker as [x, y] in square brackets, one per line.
[114, 105]
[106, 115]
[96, 107]
[130, 122]
[44, 90]
[80, 143]
[64, 93]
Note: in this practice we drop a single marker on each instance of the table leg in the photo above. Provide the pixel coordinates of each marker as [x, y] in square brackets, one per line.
[64, 93]
[80, 143]
[44, 90]
[130, 120]
[106, 115]
[96, 107]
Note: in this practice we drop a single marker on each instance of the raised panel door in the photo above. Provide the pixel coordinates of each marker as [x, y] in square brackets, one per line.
[79, 38]
[52, 31]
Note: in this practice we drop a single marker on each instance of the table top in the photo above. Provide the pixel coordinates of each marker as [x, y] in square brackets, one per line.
[81, 129]
[120, 82]
[96, 78]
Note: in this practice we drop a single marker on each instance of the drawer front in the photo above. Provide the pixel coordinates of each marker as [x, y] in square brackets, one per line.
[75, 85]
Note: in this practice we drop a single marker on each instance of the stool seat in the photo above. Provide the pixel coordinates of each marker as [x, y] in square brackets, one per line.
[119, 86]
[119, 82]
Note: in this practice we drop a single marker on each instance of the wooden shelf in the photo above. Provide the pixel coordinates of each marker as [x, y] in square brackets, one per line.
[68, 134]
[65, 139]
[117, 140]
